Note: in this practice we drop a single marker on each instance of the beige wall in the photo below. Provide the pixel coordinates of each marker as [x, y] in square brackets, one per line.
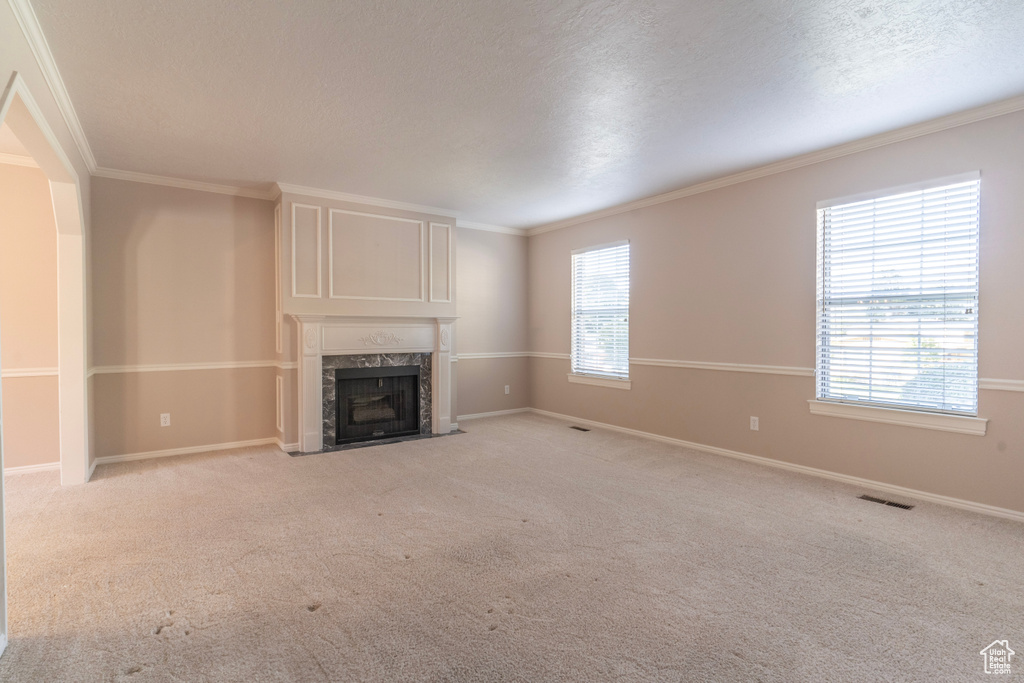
[181, 277]
[207, 407]
[481, 385]
[492, 309]
[31, 421]
[728, 276]
[28, 316]
[492, 272]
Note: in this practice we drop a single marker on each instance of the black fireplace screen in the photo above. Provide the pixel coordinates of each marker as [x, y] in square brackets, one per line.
[377, 403]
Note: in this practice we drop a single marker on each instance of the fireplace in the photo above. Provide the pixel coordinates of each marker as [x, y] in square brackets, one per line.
[332, 343]
[377, 403]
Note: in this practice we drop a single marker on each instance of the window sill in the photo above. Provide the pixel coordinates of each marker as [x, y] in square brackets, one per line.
[609, 382]
[960, 424]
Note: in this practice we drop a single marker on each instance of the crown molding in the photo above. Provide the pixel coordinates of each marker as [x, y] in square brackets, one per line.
[360, 199]
[987, 111]
[33, 33]
[17, 160]
[181, 183]
[469, 225]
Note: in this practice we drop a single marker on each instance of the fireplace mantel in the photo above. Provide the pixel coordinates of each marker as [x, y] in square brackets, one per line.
[320, 336]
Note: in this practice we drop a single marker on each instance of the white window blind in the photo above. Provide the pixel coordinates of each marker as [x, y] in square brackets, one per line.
[600, 311]
[898, 299]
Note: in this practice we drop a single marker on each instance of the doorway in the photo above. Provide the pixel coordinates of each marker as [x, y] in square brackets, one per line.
[21, 114]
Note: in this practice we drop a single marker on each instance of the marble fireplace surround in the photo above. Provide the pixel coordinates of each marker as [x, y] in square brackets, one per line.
[374, 360]
[327, 336]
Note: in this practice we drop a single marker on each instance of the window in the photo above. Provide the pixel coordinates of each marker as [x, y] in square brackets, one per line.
[600, 311]
[898, 299]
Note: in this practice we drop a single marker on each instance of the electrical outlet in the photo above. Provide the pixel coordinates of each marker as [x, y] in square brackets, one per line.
[165, 419]
[754, 424]
[506, 389]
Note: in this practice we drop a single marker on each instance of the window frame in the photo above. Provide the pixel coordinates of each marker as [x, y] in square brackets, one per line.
[594, 378]
[876, 411]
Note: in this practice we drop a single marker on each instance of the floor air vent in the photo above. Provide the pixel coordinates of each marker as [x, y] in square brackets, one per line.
[579, 429]
[890, 503]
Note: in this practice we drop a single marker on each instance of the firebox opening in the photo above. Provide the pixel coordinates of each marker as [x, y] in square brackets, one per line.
[377, 403]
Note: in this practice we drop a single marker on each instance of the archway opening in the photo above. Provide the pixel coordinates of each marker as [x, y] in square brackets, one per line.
[21, 114]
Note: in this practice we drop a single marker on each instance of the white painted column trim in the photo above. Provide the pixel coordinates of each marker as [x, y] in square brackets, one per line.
[441, 380]
[311, 399]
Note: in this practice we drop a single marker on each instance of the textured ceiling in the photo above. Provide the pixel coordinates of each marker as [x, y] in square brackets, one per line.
[513, 113]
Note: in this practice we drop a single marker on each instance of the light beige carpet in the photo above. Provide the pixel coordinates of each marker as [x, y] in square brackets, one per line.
[520, 551]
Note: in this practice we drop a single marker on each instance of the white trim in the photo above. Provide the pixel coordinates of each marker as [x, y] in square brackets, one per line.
[470, 225]
[3, 636]
[178, 367]
[727, 367]
[360, 199]
[795, 371]
[26, 469]
[17, 160]
[18, 87]
[182, 183]
[44, 58]
[960, 424]
[495, 413]
[278, 285]
[1001, 384]
[288, 365]
[900, 189]
[8, 373]
[279, 403]
[430, 263]
[330, 255]
[907, 133]
[319, 252]
[92, 468]
[802, 469]
[111, 459]
[286, 447]
[608, 382]
[90, 372]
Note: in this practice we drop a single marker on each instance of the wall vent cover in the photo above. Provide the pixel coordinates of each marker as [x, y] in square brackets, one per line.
[579, 429]
[890, 503]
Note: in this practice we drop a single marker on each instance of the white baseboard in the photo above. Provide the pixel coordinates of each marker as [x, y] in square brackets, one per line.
[25, 469]
[92, 468]
[3, 643]
[286, 447]
[496, 413]
[110, 459]
[802, 469]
